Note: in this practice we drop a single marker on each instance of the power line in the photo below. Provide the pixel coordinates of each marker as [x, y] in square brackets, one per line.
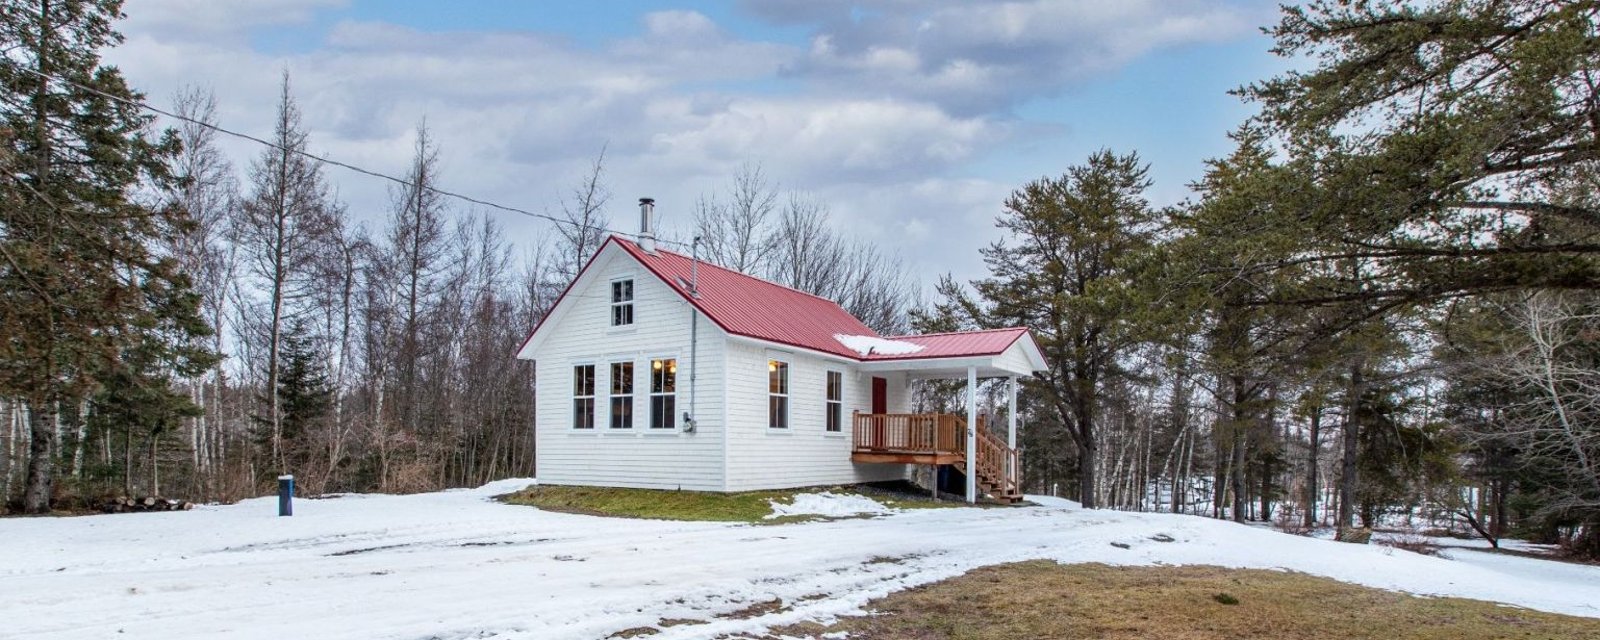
[325, 160]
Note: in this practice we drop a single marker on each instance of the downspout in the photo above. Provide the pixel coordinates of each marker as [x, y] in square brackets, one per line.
[694, 334]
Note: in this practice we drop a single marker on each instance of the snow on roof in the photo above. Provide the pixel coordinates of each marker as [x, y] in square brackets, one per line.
[869, 345]
[960, 344]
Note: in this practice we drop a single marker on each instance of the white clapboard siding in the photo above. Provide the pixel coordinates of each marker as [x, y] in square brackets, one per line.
[583, 335]
[805, 454]
[1015, 358]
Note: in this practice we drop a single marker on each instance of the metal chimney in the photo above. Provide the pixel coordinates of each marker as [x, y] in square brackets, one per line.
[647, 227]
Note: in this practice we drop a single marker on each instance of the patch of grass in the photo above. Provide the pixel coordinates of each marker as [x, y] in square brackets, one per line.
[655, 504]
[750, 506]
[1042, 599]
[757, 610]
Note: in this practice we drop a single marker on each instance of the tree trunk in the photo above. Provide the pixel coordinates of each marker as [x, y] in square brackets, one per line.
[1269, 432]
[1086, 474]
[1236, 479]
[1352, 447]
[1236, 482]
[155, 468]
[1309, 519]
[41, 457]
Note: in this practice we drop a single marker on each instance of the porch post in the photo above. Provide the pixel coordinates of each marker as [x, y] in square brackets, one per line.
[972, 435]
[1011, 412]
[1011, 423]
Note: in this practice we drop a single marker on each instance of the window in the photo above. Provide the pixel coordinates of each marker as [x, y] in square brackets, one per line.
[835, 402]
[583, 396]
[777, 394]
[621, 303]
[622, 395]
[663, 393]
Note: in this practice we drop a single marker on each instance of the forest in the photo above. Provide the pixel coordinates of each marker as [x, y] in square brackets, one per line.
[1379, 307]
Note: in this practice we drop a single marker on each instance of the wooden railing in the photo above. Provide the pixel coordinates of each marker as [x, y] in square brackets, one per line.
[909, 432]
[998, 466]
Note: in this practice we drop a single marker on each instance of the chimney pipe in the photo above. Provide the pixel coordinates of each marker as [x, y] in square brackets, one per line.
[647, 229]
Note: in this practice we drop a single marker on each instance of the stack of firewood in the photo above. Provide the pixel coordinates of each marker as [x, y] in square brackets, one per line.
[124, 504]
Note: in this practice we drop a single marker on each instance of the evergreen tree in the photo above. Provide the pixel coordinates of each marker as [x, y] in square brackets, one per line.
[1070, 276]
[79, 281]
[1463, 119]
[304, 397]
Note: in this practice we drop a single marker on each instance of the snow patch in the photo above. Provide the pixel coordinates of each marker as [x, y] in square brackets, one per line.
[424, 565]
[1050, 501]
[873, 345]
[832, 505]
[502, 487]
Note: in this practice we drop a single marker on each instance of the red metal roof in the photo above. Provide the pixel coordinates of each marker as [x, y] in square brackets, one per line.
[749, 306]
[755, 308]
[959, 344]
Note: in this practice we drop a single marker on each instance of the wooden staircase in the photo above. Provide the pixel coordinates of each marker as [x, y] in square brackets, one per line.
[999, 467]
[939, 439]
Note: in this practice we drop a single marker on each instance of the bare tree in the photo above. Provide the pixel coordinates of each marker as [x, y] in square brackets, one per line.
[734, 230]
[281, 227]
[586, 221]
[417, 254]
[207, 191]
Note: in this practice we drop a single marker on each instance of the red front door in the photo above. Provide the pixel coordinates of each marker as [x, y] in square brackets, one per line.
[880, 395]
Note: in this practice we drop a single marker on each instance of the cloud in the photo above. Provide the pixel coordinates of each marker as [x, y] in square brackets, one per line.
[880, 114]
[193, 17]
[975, 57]
[826, 140]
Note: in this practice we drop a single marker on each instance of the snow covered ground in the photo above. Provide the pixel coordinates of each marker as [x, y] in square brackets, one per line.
[458, 565]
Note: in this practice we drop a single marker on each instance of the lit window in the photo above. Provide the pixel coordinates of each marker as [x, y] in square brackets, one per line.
[583, 396]
[621, 303]
[777, 394]
[835, 403]
[663, 393]
[622, 395]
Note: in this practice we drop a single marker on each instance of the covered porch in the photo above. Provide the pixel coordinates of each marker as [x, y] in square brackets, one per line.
[986, 455]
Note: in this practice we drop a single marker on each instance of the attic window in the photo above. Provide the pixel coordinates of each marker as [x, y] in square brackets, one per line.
[621, 303]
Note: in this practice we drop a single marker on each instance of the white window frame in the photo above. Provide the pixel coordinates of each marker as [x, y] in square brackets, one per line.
[833, 408]
[577, 397]
[669, 367]
[612, 396]
[622, 307]
[779, 373]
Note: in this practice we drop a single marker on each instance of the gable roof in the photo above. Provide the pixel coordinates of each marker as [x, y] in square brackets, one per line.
[747, 306]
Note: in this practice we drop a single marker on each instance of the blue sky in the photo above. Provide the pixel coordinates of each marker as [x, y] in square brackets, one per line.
[910, 120]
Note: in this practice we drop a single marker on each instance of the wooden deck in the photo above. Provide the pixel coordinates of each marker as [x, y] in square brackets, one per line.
[938, 439]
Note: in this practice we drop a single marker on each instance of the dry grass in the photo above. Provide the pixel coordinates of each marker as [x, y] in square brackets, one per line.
[1046, 600]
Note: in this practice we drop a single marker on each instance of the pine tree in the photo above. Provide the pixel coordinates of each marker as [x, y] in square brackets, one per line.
[79, 282]
[1071, 277]
[303, 397]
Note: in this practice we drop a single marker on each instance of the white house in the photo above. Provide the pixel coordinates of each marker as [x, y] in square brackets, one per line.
[659, 371]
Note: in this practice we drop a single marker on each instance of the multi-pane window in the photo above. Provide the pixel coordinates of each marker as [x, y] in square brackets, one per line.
[835, 401]
[622, 395]
[583, 396]
[621, 303]
[777, 394]
[663, 393]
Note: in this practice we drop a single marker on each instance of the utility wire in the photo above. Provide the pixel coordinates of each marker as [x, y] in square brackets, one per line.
[344, 165]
